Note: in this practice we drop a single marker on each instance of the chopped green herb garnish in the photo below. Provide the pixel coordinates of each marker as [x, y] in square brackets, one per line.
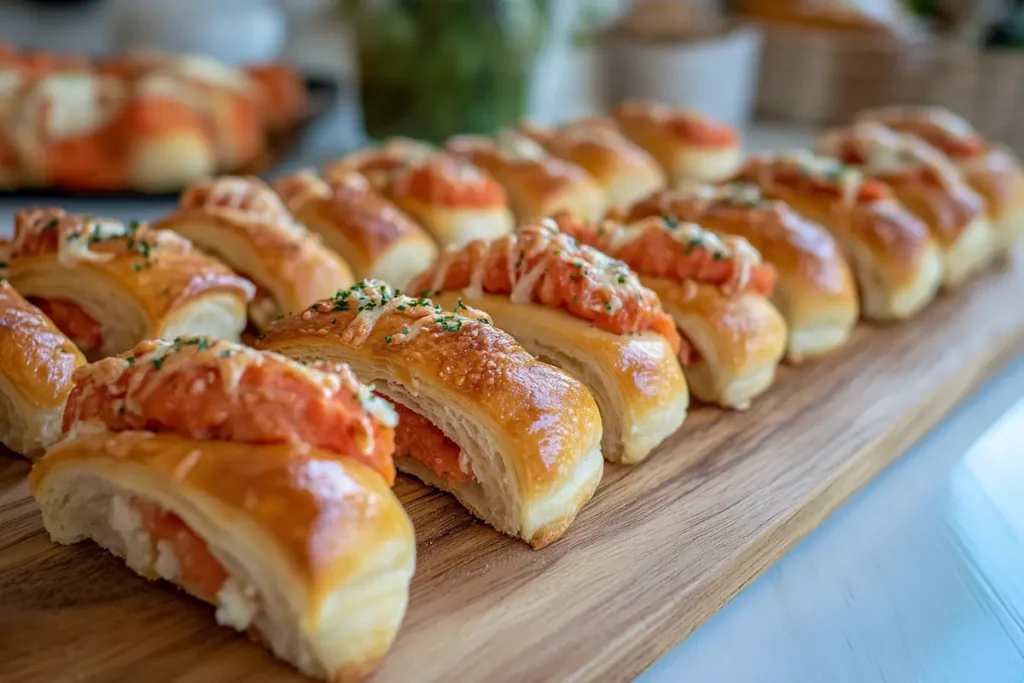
[718, 256]
[165, 292]
[404, 330]
[120, 410]
[400, 307]
[225, 353]
[51, 224]
[387, 339]
[460, 306]
[576, 298]
[334, 321]
[622, 279]
[137, 267]
[670, 222]
[131, 360]
[158, 363]
[608, 306]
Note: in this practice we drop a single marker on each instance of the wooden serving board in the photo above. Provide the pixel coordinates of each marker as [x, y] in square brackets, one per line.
[660, 548]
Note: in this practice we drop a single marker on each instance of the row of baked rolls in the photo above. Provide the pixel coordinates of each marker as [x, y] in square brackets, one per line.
[928, 186]
[991, 170]
[243, 223]
[716, 290]
[37, 364]
[254, 483]
[516, 440]
[108, 285]
[815, 292]
[896, 261]
[578, 309]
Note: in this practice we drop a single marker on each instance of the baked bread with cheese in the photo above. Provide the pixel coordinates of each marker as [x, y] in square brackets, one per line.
[895, 259]
[251, 482]
[625, 172]
[689, 146]
[537, 184]
[815, 291]
[380, 163]
[37, 363]
[242, 222]
[993, 171]
[716, 290]
[928, 185]
[517, 441]
[374, 236]
[108, 286]
[578, 309]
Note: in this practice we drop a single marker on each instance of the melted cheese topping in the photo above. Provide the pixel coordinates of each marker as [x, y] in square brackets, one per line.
[886, 152]
[71, 104]
[741, 194]
[210, 71]
[515, 145]
[231, 361]
[822, 170]
[373, 299]
[691, 236]
[242, 199]
[306, 186]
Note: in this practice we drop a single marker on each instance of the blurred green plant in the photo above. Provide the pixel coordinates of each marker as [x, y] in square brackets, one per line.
[434, 68]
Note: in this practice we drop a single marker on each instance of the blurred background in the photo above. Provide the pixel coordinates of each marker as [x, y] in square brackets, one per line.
[433, 68]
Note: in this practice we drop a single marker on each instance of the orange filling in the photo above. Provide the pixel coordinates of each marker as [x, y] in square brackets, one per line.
[870, 190]
[703, 132]
[200, 572]
[418, 438]
[440, 182]
[72, 321]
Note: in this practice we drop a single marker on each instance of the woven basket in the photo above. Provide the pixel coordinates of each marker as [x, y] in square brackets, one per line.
[815, 76]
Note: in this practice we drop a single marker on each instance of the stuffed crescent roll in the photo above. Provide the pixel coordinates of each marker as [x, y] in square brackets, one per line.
[537, 183]
[574, 307]
[249, 481]
[37, 363]
[242, 222]
[515, 440]
[625, 172]
[928, 185]
[107, 285]
[380, 164]
[894, 257]
[993, 171]
[815, 292]
[370, 232]
[716, 290]
[690, 147]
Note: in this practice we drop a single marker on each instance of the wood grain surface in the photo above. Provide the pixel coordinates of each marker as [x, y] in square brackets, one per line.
[660, 548]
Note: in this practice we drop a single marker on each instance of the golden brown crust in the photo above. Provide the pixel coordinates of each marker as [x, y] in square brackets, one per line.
[351, 217]
[623, 169]
[920, 176]
[337, 509]
[36, 359]
[229, 214]
[543, 413]
[812, 269]
[157, 269]
[896, 240]
[537, 184]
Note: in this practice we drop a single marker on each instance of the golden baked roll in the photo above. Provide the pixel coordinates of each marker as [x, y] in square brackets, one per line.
[928, 185]
[379, 164]
[242, 222]
[716, 290]
[537, 184]
[282, 93]
[517, 441]
[454, 200]
[894, 257]
[249, 481]
[37, 363]
[993, 171]
[625, 172]
[815, 291]
[689, 146]
[376, 238]
[107, 285]
[574, 307]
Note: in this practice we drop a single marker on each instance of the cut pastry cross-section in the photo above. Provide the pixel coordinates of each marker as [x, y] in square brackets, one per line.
[376, 238]
[929, 186]
[537, 183]
[249, 481]
[625, 172]
[574, 307]
[37, 365]
[109, 285]
[517, 441]
[895, 259]
[716, 290]
[690, 147]
[815, 293]
[992, 170]
[244, 223]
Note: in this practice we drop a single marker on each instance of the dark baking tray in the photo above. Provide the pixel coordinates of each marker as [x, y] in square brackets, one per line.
[323, 94]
